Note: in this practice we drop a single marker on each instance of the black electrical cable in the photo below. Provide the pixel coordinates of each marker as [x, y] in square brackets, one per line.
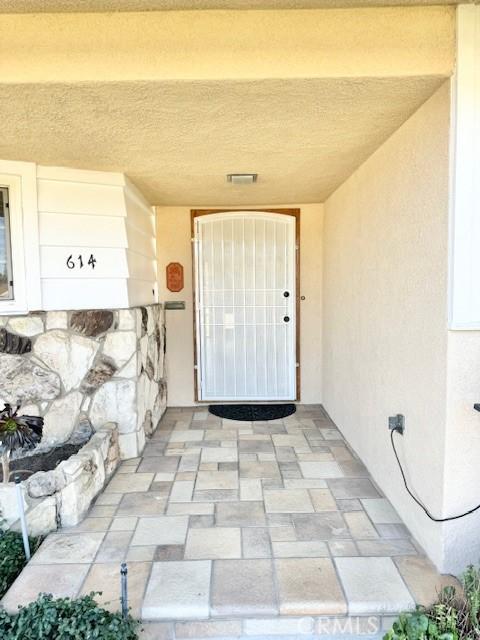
[420, 504]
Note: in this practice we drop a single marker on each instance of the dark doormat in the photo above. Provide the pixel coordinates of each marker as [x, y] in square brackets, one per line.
[249, 412]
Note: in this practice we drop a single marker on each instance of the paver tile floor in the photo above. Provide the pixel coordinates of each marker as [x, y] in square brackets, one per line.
[222, 520]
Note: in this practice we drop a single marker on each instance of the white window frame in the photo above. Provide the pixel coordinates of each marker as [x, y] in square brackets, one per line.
[21, 181]
[7, 248]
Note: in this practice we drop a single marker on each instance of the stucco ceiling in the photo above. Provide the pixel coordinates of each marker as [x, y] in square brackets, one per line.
[42, 6]
[177, 141]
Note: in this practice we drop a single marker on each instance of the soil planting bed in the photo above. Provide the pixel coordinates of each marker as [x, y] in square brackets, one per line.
[45, 461]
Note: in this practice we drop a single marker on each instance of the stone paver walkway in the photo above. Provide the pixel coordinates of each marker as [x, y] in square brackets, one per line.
[221, 520]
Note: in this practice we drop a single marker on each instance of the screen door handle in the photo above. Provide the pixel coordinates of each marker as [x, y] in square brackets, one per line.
[286, 318]
[286, 294]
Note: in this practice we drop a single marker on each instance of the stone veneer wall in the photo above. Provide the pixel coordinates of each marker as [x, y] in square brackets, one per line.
[99, 366]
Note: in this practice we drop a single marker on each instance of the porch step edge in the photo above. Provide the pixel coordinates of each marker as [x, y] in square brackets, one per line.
[275, 628]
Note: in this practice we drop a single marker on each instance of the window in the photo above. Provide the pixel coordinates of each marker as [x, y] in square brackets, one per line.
[20, 289]
[6, 276]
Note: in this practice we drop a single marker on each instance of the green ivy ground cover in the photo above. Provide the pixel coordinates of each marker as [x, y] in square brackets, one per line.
[51, 618]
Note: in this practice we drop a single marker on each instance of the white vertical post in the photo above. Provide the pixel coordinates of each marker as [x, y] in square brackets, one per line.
[464, 303]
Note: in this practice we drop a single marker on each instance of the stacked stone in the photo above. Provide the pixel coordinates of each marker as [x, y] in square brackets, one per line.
[62, 497]
[98, 365]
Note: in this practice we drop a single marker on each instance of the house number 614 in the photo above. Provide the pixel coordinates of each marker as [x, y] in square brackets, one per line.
[80, 262]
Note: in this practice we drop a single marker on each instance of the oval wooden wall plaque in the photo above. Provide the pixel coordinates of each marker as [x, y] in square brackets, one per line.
[174, 277]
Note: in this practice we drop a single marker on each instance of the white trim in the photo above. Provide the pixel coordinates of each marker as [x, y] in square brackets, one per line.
[197, 285]
[20, 179]
[464, 236]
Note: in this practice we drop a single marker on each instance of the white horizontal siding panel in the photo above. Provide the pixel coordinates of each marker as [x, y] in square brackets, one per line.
[140, 267]
[135, 192]
[67, 174]
[83, 262]
[62, 293]
[141, 292]
[139, 216]
[82, 231]
[73, 197]
[141, 242]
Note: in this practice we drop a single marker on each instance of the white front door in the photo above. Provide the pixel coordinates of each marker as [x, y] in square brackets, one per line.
[245, 267]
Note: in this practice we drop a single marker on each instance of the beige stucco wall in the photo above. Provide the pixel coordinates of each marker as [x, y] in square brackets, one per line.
[461, 542]
[174, 245]
[385, 311]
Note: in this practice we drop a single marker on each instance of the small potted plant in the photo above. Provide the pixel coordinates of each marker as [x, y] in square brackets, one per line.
[17, 432]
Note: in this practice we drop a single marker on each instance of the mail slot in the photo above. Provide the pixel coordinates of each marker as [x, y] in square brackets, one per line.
[175, 305]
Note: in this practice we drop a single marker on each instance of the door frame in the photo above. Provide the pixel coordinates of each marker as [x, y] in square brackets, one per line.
[196, 213]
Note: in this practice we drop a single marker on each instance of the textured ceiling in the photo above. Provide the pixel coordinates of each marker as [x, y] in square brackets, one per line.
[177, 141]
[43, 6]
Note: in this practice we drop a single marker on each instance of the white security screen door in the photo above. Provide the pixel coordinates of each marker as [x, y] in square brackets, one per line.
[245, 299]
